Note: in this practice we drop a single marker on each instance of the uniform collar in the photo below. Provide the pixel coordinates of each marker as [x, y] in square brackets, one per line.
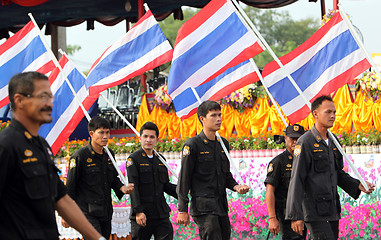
[205, 140]
[142, 153]
[17, 126]
[316, 134]
[90, 148]
[288, 154]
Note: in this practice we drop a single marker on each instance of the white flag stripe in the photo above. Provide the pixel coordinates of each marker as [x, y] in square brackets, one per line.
[38, 62]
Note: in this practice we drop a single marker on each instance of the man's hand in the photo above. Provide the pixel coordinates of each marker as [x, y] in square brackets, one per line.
[127, 190]
[274, 226]
[64, 223]
[298, 226]
[141, 219]
[370, 187]
[241, 189]
[183, 218]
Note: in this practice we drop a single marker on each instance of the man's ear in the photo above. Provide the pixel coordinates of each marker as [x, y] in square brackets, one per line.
[18, 100]
[314, 113]
[91, 133]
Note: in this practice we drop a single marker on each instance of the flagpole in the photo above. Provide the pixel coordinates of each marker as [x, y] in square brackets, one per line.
[55, 61]
[268, 92]
[357, 39]
[299, 91]
[221, 142]
[138, 134]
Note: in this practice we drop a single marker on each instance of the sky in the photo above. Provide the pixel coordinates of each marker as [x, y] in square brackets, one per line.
[362, 13]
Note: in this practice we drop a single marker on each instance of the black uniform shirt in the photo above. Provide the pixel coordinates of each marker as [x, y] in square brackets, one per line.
[278, 175]
[29, 186]
[150, 178]
[89, 181]
[205, 171]
[316, 173]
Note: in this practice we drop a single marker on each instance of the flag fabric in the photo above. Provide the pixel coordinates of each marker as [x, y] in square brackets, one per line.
[67, 112]
[234, 78]
[22, 52]
[329, 59]
[142, 48]
[209, 43]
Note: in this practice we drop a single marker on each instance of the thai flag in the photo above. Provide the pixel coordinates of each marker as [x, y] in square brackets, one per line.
[209, 43]
[142, 48]
[67, 112]
[234, 78]
[22, 52]
[329, 59]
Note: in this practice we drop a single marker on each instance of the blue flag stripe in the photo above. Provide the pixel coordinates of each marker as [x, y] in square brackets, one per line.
[127, 54]
[333, 52]
[206, 50]
[21, 61]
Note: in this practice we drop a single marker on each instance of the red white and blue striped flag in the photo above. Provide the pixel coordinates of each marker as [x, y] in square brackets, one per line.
[22, 52]
[209, 43]
[234, 78]
[142, 48]
[67, 112]
[329, 59]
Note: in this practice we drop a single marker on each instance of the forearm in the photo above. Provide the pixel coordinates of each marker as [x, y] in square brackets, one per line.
[270, 202]
[72, 214]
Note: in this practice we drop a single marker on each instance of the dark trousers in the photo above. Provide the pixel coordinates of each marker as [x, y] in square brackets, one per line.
[323, 230]
[103, 227]
[286, 230]
[213, 227]
[161, 229]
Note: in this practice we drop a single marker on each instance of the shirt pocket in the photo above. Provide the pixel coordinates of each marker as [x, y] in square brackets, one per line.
[36, 181]
[320, 160]
[93, 176]
[206, 165]
[163, 174]
[146, 175]
[324, 204]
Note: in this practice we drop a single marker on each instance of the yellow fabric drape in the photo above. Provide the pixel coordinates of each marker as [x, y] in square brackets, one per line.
[260, 120]
[377, 114]
[228, 118]
[363, 119]
[344, 110]
[143, 113]
[242, 123]
[174, 125]
[276, 122]
[189, 126]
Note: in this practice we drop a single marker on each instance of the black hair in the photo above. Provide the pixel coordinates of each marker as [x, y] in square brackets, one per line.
[98, 122]
[149, 126]
[205, 107]
[318, 101]
[23, 83]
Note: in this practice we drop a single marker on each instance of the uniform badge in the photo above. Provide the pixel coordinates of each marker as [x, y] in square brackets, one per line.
[205, 141]
[297, 150]
[143, 154]
[129, 162]
[289, 157]
[318, 138]
[296, 128]
[316, 145]
[270, 168]
[288, 165]
[186, 151]
[72, 163]
[28, 153]
[89, 160]
[27, 135]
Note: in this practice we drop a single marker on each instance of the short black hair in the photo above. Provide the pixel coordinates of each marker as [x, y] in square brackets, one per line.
[318, 101]
[98, 122]
[205, 107]
[149, 126]
[23, 83]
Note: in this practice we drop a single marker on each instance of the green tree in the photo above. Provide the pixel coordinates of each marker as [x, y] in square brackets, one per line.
[71, 49]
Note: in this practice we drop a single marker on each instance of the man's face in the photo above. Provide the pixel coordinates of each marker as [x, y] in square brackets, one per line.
[38, 106]
[290, 143]
[100, 136]
[148, 139]
[212, 120]
[325, 114]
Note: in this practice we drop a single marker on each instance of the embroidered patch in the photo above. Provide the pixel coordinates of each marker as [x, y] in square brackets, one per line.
[129, 162]
[316, 145]
[289, 165]
[296, 128]
[289, 157]
[143, 154]
[72, 163]
[318, 138]
[28, 153]
[186, 151]
[89, 160]
[297, 150]
[270, 168]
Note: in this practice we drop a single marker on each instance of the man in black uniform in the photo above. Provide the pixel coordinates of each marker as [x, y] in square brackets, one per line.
[30, 188]
[317, 171]
[205, 172]
[91, 176]
[277, 181]
[150, 212]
